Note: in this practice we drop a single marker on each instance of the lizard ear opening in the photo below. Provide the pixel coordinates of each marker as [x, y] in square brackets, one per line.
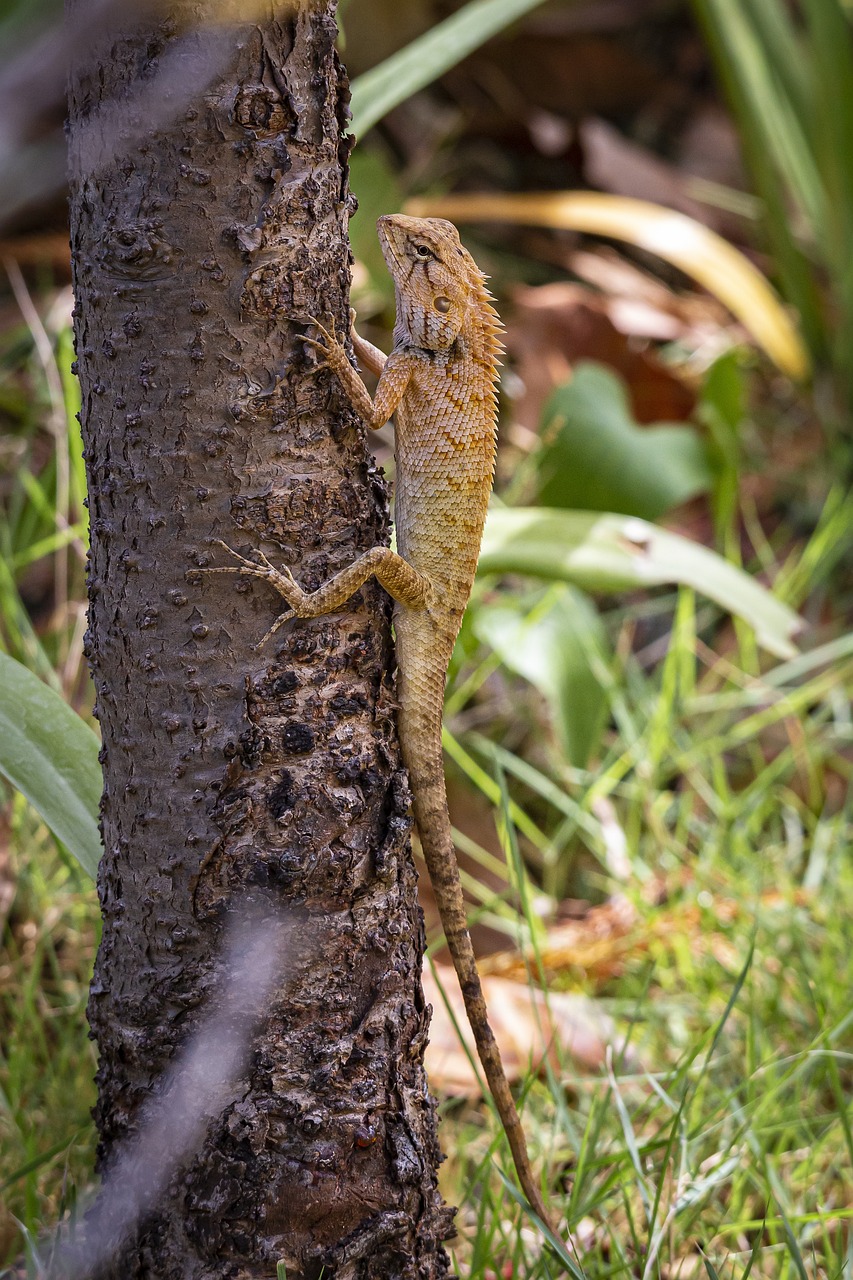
[442, 305]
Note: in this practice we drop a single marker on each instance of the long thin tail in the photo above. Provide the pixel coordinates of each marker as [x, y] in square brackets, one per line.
[426, 772]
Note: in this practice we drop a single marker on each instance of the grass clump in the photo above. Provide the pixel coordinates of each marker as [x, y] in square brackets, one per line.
[723, 1146]
[46, 1059]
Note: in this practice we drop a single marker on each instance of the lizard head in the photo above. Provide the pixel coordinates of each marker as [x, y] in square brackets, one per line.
[436, 278]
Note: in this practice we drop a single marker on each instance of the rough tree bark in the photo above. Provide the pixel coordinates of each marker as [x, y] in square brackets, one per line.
[209, 211]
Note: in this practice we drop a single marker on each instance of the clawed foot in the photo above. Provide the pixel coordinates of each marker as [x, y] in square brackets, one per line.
[331, 352]
[281, 579]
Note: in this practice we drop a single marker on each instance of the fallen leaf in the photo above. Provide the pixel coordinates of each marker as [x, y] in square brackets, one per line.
[528, 1027]
[693, 319]
[554, 326]
[623, 167]
[595, 945]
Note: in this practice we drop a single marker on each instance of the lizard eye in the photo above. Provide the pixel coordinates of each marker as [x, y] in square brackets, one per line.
[443, 305]
[424, 251]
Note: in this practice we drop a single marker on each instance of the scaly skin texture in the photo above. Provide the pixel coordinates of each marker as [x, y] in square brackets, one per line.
[440, 383]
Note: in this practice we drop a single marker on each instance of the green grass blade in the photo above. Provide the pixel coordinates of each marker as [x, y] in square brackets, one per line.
[730, 1004]
[50, 755]
[829, 39]
[795, 272]
[559, 1247]
[778, 37]
[538, 782]
[787, 1227]
[36, 1163]
[711, 1270]
[831, 48]
[49, 545]
[490, 788]
[782, 133]
[756, 1250]
[376, 92]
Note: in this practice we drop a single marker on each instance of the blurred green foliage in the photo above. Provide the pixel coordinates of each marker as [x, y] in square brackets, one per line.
[788, 72]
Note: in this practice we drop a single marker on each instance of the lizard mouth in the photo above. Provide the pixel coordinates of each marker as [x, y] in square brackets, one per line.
[397, 232]
[391, 236]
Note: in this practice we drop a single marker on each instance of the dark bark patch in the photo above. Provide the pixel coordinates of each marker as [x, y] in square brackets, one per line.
[286, 682]
[137, 250]
[297, 738]
[283, 796]
[347, 705]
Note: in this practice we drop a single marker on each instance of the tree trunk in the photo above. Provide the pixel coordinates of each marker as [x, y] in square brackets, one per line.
[209, 214]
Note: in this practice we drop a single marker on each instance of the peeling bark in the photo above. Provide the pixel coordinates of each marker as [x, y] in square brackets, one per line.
[209, 212]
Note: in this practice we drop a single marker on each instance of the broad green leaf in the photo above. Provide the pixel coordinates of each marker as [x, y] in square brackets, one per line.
[598, 459]
[620, 553]
[425, 59]
[554, 645]
[51, 756]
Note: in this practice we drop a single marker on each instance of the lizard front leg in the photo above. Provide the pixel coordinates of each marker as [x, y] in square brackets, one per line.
[400, 580]
[394, 374]
[368, 356]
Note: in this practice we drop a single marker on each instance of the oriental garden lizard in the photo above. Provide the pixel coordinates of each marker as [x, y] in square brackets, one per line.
[440, 383]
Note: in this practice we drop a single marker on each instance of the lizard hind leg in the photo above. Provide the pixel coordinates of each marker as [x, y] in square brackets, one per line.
[396, 575]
